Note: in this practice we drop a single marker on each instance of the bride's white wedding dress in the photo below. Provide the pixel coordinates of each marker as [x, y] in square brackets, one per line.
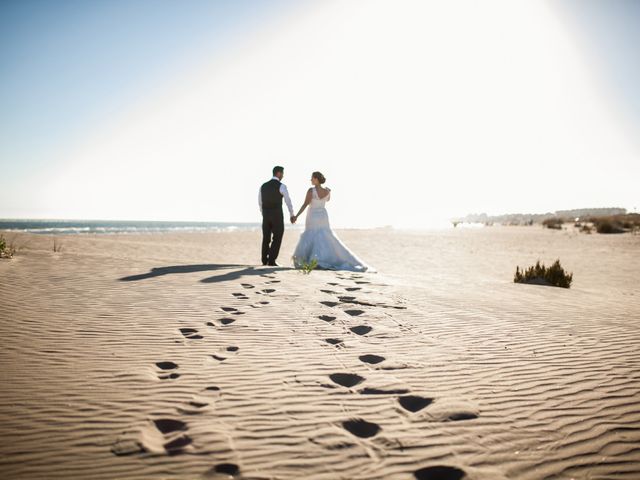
[319, 242]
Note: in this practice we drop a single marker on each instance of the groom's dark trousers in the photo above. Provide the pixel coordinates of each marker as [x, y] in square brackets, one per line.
[272, 224]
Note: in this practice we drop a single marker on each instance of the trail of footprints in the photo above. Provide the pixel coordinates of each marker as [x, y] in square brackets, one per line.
[411, 403]
[175, 432]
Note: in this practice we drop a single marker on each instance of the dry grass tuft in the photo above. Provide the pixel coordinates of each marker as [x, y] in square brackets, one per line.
[541, 275]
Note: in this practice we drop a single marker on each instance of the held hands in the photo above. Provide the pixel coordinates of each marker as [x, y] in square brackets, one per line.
[293, 218]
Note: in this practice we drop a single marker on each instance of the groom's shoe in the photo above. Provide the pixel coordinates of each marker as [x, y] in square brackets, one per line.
[273, 264]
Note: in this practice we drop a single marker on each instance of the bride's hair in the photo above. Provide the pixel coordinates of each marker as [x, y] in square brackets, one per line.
[319, 176]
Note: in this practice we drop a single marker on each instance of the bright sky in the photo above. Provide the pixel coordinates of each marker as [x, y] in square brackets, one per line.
[415, 111]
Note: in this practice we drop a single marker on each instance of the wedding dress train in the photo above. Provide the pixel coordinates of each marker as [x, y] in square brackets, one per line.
[319, 242]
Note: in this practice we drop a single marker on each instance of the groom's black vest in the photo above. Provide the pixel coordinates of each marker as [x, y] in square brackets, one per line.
[271, 196]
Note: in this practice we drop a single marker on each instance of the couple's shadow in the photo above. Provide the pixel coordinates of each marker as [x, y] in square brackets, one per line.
[233, 272]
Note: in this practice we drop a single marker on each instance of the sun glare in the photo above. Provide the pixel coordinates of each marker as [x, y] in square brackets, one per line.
[415, 111]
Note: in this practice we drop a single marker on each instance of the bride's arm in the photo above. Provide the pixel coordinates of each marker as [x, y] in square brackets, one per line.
[307, 201]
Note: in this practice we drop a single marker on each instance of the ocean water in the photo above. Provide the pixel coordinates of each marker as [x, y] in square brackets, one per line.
[51, 227]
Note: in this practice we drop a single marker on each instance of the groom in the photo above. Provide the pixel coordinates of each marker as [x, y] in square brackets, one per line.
[270, 201]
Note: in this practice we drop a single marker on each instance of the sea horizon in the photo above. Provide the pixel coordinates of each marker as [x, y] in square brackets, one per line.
[65, 226]
[52, 226]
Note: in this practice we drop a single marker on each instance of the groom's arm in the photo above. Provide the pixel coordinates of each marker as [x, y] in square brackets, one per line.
[285, 193]
[260, 199]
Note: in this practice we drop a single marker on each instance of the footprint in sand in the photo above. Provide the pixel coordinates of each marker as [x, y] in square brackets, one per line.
[176, 446]
[247, 285]
[169, 427]
[192, 407]
[166, 365]
[361, 428]
[454, 417]
[208, 394]
[169, 433]
[333, 284]
[329, 304]
[191, 333]
[372, 359]
[353, 289]
[240, 296]
[354, 312]
[212, 390]
[346, 298]
[167, 370]
[232, 349]
[269, 290]
[327, 318]
[226, 469]
[444, 412]
[330, 292]
[272, 281]
[334, 341]
[223, 321]
[346, 379]
[440, 472]
[414, 403]
[361, 329]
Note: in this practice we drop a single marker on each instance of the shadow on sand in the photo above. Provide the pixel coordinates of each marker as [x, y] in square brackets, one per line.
[232, 272]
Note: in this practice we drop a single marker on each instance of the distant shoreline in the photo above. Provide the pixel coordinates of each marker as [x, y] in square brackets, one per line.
[53, 227]
[531, 218]
[600, 220]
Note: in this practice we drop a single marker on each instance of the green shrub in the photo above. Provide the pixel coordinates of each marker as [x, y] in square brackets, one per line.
[606, 226]
[6, 250]
[627, 222]
[554, 223]
[541, 275]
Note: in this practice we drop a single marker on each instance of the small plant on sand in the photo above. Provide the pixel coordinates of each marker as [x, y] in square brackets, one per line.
[307, 267]
[554, 223]
[541, 275]
[6, 250]
[615, 223]
[608, 226]
[57, 245]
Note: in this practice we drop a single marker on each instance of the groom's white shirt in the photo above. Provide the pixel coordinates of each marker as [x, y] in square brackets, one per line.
[283, 191]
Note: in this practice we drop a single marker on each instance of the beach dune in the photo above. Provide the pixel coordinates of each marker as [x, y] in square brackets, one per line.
[174, 356]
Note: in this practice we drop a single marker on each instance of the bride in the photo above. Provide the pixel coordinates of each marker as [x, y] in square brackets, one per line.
[318, 241]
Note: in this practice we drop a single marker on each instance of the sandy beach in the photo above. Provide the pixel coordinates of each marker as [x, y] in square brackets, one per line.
[175, 356]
